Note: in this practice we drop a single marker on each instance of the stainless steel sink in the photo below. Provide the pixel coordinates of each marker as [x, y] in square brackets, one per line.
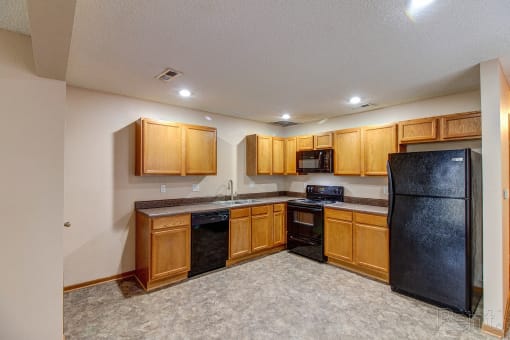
[237, 202]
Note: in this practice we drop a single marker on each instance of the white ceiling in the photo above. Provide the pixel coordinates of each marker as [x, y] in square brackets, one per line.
[14, 16]
[258, 59]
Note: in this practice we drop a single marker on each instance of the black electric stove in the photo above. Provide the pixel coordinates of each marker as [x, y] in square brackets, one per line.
[305, 220]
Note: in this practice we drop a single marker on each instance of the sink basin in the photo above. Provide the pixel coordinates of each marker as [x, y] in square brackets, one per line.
[237, 202]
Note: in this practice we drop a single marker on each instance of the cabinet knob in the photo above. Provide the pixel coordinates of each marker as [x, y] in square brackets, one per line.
[67, 224]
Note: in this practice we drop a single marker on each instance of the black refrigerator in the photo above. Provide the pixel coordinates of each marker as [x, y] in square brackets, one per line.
[435, 220]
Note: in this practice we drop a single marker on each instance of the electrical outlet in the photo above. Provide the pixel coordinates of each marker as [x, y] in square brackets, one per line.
[162, 188]
[385, 190]
[304, 186]
[505, 194]
[195, 187]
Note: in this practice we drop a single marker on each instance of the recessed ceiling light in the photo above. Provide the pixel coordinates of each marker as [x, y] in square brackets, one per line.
[416, 6]
[285, 116]
[355, 100]
[184, 93]
[207, 118]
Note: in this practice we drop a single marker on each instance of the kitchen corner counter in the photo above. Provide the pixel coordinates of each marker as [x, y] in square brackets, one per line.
[212, 206]
[371, 209]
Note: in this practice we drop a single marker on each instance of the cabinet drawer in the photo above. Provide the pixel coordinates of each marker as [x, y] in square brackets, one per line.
[237, 213]
[279, 207]
[263, 209]
[370, 219]
[339, 214]
[171, 221]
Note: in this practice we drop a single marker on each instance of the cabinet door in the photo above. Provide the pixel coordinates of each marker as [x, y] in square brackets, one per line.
[264, 155]
[348, 152]
[290, 156]
[261, 231]
[200, 150]
[170, 252]
[378, 142]
[278, 156]
[417, 130]
[372, 247]
[461, 126]
[323, 141]
[240, 237]
[304, 143]
[161, 148]
[338, 239]
[279, 231]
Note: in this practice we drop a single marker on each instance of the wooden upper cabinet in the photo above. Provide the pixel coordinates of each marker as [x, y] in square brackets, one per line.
[348, 152]
[378, 142]
[323, 141]
[278, 167]
[158, 148]
[417, 130]
[458, 126]
[305, 143]
[164, 148]
[290, 156]
[461, 126]
[200, 150]
[259, 155]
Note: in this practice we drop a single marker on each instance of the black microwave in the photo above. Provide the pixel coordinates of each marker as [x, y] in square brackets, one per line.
[314, 161]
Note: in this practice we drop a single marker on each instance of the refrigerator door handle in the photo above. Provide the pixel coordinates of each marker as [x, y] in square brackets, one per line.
[390, 193]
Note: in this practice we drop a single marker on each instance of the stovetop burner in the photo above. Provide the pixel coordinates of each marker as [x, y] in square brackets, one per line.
[318, 195]
[314, 201]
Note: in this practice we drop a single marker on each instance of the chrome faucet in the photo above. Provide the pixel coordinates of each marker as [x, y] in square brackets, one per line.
[231, 188]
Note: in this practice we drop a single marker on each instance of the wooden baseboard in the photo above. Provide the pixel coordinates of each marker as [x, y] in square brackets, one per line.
[98, 281]
[232, 262]
[500, 333]
[493, 331]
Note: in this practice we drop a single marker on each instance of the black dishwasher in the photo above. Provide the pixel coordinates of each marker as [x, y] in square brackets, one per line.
[209, 241]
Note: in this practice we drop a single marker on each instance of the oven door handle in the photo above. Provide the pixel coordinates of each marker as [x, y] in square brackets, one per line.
[300, 207]
[308, 242]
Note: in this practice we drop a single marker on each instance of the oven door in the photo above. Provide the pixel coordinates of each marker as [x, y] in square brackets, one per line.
[305, 231]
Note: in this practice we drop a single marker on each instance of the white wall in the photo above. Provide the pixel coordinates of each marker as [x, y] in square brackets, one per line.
[374, 187]
[31, 178]
[101, 187]
[495, 99]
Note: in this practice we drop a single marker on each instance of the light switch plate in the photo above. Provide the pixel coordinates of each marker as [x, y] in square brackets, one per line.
[195, 187]
[162, 189]
[505, 194]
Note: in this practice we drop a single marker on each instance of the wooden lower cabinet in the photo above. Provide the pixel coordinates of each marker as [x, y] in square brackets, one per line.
[338, 239]
[163, 249]
[261, 228]
[240, 233]
[279, 224]
[358, 242]
[255, 231]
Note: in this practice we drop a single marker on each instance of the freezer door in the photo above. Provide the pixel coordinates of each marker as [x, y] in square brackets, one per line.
[428, 254]
[434, 173]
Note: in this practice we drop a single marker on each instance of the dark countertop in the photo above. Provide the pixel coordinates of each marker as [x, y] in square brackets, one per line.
[203, 207]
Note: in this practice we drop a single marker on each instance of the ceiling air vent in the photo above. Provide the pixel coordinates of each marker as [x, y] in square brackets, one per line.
[367, 105]
[284, 123]
[168, 74]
